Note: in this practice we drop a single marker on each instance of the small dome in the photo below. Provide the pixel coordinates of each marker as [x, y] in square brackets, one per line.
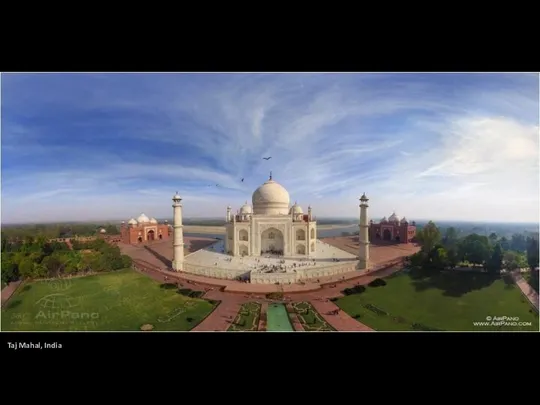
[132, 221]
[271, 199]
[384, 220]
[393, 218]
[142, 219]
[404, 220]
[153, 221]
[246, 209]
[177, 197]
[296, 209]
[102, 230]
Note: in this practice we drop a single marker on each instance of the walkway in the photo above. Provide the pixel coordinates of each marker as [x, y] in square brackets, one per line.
[8, 291]
[220, 319]
[526, 289]
[341, 321]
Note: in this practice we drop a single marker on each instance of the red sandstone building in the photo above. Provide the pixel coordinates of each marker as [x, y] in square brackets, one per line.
[393, 229]
[144, 229]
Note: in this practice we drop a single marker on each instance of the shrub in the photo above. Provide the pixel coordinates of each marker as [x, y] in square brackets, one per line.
[378, 282]
[213, 302]
[168, 286]
[357, 289]
[189, 319]
[334, 299]
[422, 327]
[196, 294]
[357, 316]
[274, 296]
[184, 291]
[374, 309]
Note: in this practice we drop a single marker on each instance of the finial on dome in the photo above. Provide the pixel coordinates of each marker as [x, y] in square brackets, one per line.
[270, 175]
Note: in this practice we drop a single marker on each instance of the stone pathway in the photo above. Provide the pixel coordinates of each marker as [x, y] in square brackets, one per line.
[297, 325]
[8, 291]
[342, 321]
[220, 319]
[526, 289]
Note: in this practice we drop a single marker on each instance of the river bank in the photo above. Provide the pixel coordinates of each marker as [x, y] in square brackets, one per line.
[220, 230]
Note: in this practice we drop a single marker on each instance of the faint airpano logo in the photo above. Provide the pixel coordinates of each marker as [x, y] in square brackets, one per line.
[58, 301]
[59, 284]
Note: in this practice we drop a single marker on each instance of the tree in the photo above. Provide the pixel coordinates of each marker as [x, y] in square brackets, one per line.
[511, 260]
[26, 268]
[532, 253]
[475, 249]
[429, 236]
[518, 243]
[494, 264]
[505, 244]
[439, 258]
[450, 236]
[493, 238]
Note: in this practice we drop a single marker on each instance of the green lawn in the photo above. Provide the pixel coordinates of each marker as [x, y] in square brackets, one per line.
[448, 301]
[119, 301]
[310, 319]
[247, 318]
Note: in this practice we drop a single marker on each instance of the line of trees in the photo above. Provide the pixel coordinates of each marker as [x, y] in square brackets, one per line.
[38, 258]
[448, 251]
[53, 231]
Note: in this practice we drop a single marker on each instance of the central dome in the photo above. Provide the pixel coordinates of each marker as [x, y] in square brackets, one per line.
[271, 199]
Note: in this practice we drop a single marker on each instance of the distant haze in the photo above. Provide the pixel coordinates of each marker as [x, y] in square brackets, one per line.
[84, 147]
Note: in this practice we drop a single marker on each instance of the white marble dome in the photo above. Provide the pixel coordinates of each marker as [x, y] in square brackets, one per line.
[394, 218]
[404, 220]
[246, 209]
[271, 199]
[296, 209]
[153, 221]
[132, 221]
[143, 219]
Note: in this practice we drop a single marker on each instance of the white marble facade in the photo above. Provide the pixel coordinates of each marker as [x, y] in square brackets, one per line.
[270, 225]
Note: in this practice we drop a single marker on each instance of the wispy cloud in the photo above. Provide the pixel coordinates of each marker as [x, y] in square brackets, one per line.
[431, 146]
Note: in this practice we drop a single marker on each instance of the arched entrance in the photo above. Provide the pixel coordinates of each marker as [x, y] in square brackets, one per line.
[397, 238]
[272, 241]
[300, 249]
[160, 236]
[151, 235]
[387, 235]
[140, 239]
[243, 250]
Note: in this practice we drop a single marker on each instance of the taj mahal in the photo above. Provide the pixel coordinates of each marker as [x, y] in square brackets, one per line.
[269, 242]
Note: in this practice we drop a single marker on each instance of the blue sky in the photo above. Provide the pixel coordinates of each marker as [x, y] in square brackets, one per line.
[110, 146]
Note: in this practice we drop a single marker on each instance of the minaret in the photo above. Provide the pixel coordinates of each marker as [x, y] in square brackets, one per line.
[178, 234]
[309, 213]
[363, 237]
[229, 213]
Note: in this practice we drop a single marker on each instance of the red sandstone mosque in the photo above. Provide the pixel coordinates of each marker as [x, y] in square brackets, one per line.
[394, 229]
[144, 229]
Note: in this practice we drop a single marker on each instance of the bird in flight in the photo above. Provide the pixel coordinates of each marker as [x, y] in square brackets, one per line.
[267, 158]
[242, 180]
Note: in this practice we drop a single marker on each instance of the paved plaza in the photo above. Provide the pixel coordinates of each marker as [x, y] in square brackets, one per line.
[214, 256]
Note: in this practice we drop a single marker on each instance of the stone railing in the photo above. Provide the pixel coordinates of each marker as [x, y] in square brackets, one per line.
[302, 274]
[273, 278]
[215, 272]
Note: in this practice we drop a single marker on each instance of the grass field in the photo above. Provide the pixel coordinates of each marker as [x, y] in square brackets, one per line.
[448, 301]
[119, 301]
[310, 319]
[247, 318]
